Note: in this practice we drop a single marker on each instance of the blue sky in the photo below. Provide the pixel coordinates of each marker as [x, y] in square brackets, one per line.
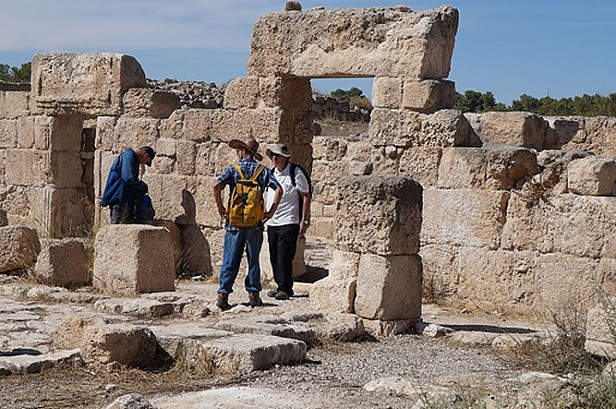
[543, 47]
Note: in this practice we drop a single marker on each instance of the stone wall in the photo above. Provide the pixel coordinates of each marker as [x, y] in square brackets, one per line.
[515, 216]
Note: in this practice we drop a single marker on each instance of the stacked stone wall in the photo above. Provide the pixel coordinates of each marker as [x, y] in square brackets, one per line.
[515, 216]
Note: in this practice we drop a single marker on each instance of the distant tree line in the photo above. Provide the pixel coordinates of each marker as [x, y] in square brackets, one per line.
[14, 74]
[586, 105]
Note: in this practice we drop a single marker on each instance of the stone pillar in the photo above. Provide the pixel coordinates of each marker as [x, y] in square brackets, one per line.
[376, 271]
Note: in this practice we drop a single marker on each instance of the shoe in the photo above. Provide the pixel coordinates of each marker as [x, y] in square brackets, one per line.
[281, 295]
[272, 293]
[223, 301]
[254, 300]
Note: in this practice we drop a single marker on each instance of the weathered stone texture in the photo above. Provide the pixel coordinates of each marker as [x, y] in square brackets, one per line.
[496, 169]
[578, 225]
[464, 217]
[354, 42]
[271, 92]
[88, 84]
[520, 129]
[595, 134]
[599, 329]
[19, 247]
[63, 263]
[592, 176]
[428, 96]
[444, 128]
[141, 102]
[133, 259]
[389, 287]
[14, 104]
[380, 215]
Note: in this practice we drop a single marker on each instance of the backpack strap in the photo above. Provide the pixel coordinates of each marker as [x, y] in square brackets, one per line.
[255, 175]
[239, 170]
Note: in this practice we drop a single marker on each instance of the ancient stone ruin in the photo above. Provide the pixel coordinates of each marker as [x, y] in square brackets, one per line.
[502, 211]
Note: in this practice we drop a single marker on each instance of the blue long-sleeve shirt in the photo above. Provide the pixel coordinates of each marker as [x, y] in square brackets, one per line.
[123, 185]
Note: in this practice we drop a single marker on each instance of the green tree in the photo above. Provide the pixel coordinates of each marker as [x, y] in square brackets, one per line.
[346, 95]
[14, 74]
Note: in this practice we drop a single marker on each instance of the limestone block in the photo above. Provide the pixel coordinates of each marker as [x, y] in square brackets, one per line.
[16, 104]
[369, 42]
[148, 102]
[592, 176]
[90, 84]
[200, 125]
[323, 227]
[176, 241]
[63, 263]
[563, 131]
[334, 294]
[216, 239]
[172, 196]
[428, 96]
[388, 328]
[165, 147]
[265, 124]
[464, 217]
[599, 329]
[207, 160]
[441, 275]
[287, 92]
[66, 133]
[563, 279]
[135, 132]
[186, 152]
[130, 345]
[499, 168]
[63, 212]
[496, 279]
[444, 128]
[205, 204]
[389, 287]
[66, 169]
[594, 134]
[43, 127]
[133, 259]
[242, 92]
[513, 128]
[387, 93]
[380, 215]
[571, 224]
[243, 353]
[344, 265]
[8, 133]
[421, 163]
[105, 127]
[25, 132]
[19, 247]
[27, 167]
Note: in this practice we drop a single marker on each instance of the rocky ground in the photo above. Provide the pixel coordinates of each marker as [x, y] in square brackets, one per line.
[455, 359]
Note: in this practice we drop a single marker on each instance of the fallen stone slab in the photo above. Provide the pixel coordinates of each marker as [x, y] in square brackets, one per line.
[138, 307]
[269, 325]
[243, 353]
[28, 363]
[183, 341]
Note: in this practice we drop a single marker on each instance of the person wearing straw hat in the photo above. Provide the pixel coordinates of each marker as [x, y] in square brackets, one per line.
[290, 221]
[240, 238]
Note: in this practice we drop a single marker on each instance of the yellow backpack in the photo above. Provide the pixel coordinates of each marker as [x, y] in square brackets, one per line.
[246, 200]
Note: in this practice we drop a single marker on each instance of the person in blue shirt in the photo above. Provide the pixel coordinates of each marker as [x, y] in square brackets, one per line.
[124, 192]
[240, 239]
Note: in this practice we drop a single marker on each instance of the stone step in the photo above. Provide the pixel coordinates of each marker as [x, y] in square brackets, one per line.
[21, 362]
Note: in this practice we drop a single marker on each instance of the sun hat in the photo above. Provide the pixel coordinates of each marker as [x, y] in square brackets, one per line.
[279, 149]
[249, 143]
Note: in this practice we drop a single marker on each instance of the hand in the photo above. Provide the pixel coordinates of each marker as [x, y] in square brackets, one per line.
[302, 229]
[222, 212]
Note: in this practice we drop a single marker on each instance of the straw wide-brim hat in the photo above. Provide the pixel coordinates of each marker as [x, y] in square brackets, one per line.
[250, 144]
[279, 149]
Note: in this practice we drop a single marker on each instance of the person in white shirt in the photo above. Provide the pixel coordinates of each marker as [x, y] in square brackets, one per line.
[290, 221]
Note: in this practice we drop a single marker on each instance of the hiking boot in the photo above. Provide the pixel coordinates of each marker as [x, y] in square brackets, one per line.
[254, 300]
[281, 295]
[272, 293]
[223, 301]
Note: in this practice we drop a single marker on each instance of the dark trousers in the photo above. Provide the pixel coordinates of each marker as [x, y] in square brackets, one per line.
[120, 215]
[282, 242]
